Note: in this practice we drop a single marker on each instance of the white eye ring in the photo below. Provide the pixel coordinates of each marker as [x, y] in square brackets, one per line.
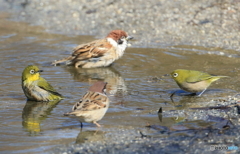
[175, 75]
[32, 71]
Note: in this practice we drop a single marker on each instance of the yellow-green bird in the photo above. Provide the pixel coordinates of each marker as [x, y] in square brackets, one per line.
[37, 88]
[193, 81]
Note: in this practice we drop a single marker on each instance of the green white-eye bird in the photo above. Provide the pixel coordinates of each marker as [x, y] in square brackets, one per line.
[37, 88]
[194, 81]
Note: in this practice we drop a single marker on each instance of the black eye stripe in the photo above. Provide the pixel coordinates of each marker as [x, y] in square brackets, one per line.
[120, 41]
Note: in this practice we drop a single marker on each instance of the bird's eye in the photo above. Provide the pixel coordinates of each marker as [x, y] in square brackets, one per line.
[175, 75]
[32, 71]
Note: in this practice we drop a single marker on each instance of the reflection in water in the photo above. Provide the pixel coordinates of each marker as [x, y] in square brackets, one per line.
[186, 101]
[116, 84]
[168, 121]
[89, 136]
[183, 103]
[160, 114]
[34, 113]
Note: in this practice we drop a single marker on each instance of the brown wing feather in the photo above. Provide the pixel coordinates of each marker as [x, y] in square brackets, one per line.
[87, 51]
[91, 50]
[91, 101]
[83, 48]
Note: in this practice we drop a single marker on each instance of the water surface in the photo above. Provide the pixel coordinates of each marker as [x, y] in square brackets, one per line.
[138, 85]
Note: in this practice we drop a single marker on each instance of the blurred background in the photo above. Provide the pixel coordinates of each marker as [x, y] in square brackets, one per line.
[212, 23]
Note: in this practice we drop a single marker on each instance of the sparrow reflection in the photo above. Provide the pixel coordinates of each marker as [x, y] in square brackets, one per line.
[34, 113]
[89, 136]
[116, 84]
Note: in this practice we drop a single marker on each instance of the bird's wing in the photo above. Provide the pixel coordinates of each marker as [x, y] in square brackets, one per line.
[91, 101]
[196, 77]
[94, 49]
[42, 83]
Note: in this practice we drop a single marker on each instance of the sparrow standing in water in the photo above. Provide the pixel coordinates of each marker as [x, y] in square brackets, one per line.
[93, 105]
[37, 88]
[99, 53]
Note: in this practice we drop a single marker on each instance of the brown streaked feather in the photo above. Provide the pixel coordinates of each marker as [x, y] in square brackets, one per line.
[84, 47]
[91, 101]
[93, 105]
[91, 50]
[87, 51]
[62, 60]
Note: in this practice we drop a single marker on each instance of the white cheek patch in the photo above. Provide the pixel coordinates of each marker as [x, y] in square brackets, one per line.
[112, 42]
[119, 47]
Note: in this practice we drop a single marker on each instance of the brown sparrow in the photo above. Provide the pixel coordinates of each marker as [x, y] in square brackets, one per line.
[93, 105]
[99, 53]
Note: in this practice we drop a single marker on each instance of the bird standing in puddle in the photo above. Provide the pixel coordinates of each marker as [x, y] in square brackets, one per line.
[99, 53]
[194, 81]
[93, 105]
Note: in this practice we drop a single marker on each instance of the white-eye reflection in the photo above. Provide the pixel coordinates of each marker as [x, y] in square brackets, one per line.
[34, 113]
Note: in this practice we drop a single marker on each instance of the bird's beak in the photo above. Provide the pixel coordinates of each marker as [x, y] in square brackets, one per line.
[129, 38]
[40, 71]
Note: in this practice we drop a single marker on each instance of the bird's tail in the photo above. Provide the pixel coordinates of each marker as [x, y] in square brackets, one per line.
[66, 60]
[215, 78]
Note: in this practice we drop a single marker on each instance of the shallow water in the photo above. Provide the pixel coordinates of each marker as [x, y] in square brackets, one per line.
[138, 85]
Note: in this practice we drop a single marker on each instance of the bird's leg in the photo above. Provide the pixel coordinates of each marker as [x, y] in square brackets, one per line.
[202, 92]
[192, 94]
[96, 124]
[81, 125]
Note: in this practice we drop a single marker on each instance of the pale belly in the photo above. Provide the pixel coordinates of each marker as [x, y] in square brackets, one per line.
[195, 87]
[91, 116]
[99, 63]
